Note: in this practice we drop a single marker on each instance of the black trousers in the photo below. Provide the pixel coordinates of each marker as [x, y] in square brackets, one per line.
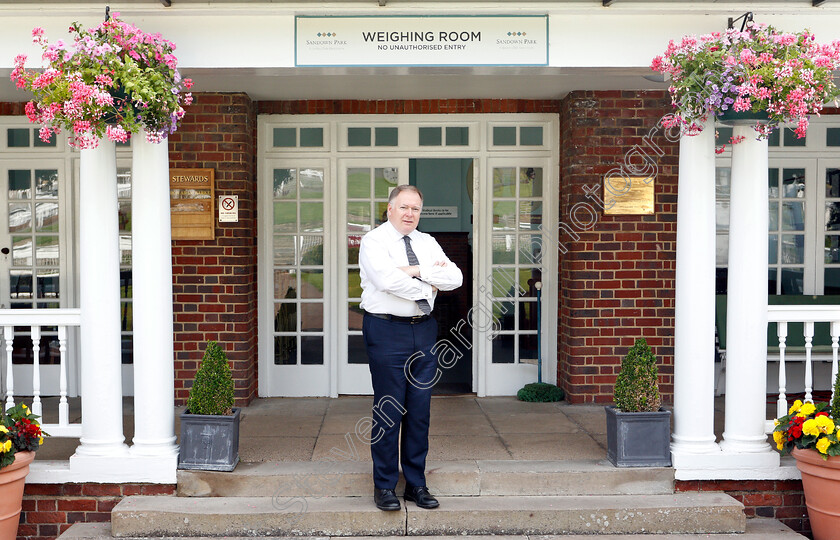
[402, 369]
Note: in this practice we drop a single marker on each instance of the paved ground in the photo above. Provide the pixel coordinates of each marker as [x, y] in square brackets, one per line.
[462, 427]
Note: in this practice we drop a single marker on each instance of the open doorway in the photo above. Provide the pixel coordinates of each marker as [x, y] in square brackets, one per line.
[447, 187]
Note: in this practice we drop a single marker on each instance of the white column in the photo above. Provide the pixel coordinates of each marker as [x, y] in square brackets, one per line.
[694, 334]
[746, 315]
[154, 379]
[99, 266]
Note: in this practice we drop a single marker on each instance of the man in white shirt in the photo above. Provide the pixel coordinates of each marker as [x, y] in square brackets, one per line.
[401, 271]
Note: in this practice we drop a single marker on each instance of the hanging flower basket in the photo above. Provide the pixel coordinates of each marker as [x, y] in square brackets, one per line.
[781, 75]
[732, 117]
[113, 80]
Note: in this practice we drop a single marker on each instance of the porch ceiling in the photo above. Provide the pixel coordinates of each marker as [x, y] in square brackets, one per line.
[401, 83]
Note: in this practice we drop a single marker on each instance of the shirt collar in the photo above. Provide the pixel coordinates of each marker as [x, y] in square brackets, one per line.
[396, 235]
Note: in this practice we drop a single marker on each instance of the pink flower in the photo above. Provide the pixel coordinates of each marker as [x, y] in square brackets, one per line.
[81, 126]
[45, 134]
[741, 104]
[116, 133]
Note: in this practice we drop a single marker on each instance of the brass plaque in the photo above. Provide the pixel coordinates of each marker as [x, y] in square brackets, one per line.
[191, 195]
[629, 195]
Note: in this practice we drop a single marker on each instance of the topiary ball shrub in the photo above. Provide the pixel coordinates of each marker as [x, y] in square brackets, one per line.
[637, 387]
[540, 393]
[835, 401]
[212, 389]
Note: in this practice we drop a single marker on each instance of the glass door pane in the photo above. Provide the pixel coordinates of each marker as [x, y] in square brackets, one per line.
[296, 257]
[32, 238]
[517, 217]
[514, 261]
[792, 199]
[364, 187]
[298, 251]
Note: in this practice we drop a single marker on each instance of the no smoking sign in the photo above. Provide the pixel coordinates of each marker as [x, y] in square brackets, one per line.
[228, 208]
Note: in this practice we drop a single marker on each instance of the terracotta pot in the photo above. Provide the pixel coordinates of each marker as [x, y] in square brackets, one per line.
[821, 483]
[12, 479]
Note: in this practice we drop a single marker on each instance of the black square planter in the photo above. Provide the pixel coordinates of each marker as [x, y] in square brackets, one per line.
[638, 439]
[209, 442]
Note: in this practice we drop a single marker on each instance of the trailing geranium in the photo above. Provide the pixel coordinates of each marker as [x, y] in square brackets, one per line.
[786, 75]
[19, 432]
[113, 79]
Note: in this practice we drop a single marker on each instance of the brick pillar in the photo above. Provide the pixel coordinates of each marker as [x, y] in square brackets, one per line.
[616, 272]
[215, 281]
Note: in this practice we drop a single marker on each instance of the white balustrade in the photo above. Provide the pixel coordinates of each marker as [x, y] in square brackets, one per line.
[808, 315]
[36, 320]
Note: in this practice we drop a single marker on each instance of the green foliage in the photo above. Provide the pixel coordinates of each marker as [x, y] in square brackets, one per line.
[835, 402]
[636, 388]
[540, 392]
[212, 390]
[20, 431]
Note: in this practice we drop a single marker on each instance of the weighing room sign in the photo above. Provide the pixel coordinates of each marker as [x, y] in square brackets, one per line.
[457, 40]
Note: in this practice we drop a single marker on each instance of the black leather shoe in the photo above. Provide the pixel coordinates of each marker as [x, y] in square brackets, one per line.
[421, 497]
[386, 499]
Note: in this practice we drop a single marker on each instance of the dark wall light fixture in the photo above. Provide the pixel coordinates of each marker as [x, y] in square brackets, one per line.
[748, 17]
[607, 3]
[166, 3]
[817, 3]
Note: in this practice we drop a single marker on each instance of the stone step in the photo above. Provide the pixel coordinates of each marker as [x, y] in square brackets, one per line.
[757, 529]
[445, 478]
[679, 513]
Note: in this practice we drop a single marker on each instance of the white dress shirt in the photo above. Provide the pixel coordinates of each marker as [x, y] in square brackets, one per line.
[386, 288]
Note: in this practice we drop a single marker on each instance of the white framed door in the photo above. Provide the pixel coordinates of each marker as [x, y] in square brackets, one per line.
[517, 257]
[827, 231]
[297, 242]
[33, 259]
[363, 187]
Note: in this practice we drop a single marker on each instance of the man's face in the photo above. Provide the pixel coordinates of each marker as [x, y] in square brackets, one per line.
[404, 211]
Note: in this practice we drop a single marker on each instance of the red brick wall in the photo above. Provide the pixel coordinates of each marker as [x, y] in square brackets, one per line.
[49, 509]
[617, 278]
[783, 500]
[215, 281]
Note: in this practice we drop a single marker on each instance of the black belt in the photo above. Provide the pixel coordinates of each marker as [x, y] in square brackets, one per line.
[410, 320]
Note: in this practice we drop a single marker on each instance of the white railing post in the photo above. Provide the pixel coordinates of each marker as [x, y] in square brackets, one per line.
[35, 332]
[781, 404]
[99, 262]
[809, 374]
[835, 335]
[8, 338]
[63, 406]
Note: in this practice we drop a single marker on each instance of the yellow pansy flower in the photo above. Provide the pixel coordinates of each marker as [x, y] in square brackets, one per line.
[823, 444]
[806, 410]
[40, 440]
[795, 407]
[3, 429]
[5, 447]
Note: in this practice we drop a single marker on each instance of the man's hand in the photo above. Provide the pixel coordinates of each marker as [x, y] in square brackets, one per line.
[439, 263]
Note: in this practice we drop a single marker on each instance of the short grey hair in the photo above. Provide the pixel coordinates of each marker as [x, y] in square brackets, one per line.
[403, 187]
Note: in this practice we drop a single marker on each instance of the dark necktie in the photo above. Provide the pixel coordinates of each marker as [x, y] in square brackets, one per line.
[412, 260]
